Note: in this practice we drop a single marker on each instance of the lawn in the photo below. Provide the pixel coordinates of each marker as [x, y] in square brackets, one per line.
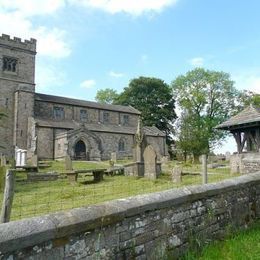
[242, 246]
[37, 198]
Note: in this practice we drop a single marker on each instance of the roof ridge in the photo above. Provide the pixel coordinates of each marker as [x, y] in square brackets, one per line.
[80, 102]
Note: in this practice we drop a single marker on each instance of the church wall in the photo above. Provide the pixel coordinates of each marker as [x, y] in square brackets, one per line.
[7, 124]
[110, 143]
[158, 144]
[24, 53]
[24, 104]
[45, 142]
[45, 110]
[60, 146]
[92, 114]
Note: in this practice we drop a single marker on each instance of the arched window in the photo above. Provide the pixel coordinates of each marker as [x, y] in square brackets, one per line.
[121, 145]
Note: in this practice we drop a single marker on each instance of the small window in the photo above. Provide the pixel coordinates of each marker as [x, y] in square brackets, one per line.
[121, 145]
[9, 64]
[105, 117]
[83, 115]
[125, 120]
[58, 113]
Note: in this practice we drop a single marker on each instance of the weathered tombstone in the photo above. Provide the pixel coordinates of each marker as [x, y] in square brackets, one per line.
[34, 161]
[113, 157]
[228, 155]
[68, 163]
[177, 174]
[150, 163]
[164, 161]
[3, 160]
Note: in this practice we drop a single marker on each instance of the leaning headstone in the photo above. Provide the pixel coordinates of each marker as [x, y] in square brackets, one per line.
[177, 174]
[68, 163]
[113, 157]
[150, 163]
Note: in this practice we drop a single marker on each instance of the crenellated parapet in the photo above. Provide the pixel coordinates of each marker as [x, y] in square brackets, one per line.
[29, 45]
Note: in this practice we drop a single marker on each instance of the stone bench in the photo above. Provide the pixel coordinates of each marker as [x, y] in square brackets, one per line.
[96, 173]
[33, 176]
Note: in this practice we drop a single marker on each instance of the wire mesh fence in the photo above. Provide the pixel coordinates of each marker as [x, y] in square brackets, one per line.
[33, 198]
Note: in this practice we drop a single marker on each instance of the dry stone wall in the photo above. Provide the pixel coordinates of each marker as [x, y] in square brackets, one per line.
[152, 226]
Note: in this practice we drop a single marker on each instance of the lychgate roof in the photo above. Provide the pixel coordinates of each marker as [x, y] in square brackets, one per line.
[84, 103]
[249, 115]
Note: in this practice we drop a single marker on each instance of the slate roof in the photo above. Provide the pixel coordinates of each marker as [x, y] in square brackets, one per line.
[249, 115]
[84, 103]
[149, 131]
[153, 131]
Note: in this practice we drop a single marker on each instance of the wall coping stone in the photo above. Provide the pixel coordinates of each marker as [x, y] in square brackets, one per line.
[24, 233]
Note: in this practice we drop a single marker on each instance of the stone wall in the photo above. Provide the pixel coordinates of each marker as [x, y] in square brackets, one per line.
[245, 163]
[152, 226]
[159, 144]
[45, 110]
[45, 142]
[24, 53]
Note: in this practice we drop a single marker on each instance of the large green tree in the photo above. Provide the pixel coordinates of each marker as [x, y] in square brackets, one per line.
[154, 99]
[208, 98]
[247, 98]
[107, 95]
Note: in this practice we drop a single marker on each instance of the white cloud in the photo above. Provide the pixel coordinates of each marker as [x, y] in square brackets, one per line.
[197, 61]
[32, 7]
[89, 83]
[16, 20]
[115, 74]
[248, 80]
[132, 7]
[48, 77]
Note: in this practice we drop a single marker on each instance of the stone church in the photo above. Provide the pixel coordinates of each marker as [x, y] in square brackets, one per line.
[54, 126]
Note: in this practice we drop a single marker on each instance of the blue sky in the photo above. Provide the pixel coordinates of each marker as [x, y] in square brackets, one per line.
[87, 45]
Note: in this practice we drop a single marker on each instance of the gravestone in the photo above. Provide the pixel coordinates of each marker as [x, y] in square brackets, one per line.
[113, 157]
[164, 162]
[150, 163]
[228, 155]
[34, 160]
[20, 157]
[3, 160]
[68, 163]
[177, 174]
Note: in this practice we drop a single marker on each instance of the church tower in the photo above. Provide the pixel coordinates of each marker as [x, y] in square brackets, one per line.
[17, 88]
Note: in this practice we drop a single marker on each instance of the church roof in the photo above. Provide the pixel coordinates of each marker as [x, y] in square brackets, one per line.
[84, 103]
[118, 129]
[249, 115]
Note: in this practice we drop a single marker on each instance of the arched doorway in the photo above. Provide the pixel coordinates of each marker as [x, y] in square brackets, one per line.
[81, 151]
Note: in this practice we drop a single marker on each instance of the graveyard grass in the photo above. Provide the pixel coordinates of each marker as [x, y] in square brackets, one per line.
[37, 198]
[242, 245]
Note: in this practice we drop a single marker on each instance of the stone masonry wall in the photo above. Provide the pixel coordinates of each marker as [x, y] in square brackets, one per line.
[45, 110]
[24, 53]
[152, 226]
[245, 163]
